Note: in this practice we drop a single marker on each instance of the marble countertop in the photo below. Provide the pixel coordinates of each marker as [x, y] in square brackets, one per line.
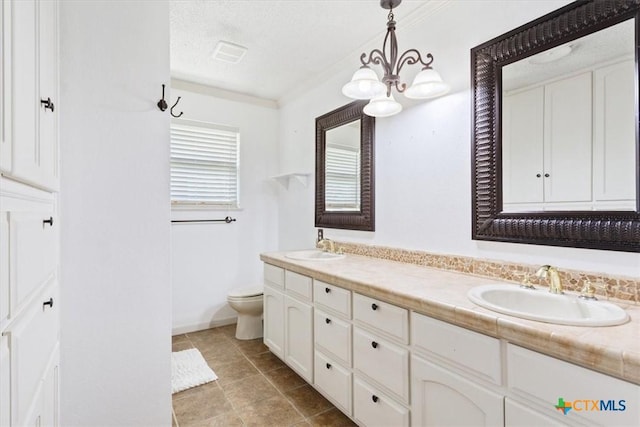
[613, 350]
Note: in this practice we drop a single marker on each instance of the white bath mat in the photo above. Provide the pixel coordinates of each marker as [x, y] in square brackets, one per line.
[189, 369]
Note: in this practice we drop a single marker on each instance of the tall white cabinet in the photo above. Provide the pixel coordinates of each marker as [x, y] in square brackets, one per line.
[569, 144]
[29, 220]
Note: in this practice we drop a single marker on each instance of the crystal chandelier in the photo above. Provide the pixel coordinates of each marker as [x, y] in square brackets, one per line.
[365, 83]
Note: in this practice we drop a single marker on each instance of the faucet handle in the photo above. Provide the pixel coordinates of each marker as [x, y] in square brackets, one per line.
[588, 291]
[526, 282]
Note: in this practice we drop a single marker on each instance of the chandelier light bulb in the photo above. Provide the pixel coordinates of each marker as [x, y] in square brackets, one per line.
[382, 106]
[364, 85]
[427, 84]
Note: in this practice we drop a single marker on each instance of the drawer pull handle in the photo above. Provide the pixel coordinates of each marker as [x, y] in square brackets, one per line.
[327, 290]
[328, 365]
[374, 306]
[48, 221]
[48, 303]
[327, 320]
[47, 104]
[375, 398]
[374, 344]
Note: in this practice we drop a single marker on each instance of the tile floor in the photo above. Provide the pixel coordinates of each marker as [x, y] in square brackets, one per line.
[254, 387]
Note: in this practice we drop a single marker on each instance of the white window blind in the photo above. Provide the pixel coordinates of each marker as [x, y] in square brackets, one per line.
[342, 178]
[204, 164]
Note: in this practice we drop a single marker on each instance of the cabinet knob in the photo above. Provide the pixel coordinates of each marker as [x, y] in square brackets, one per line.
[546, 175]
[328, 365]
[538, 175]
[374, 398]
[327, 320]
[48, 303]
[327, 290]
[374, 344]
[374, 306]
[48, 221]
[47, 104]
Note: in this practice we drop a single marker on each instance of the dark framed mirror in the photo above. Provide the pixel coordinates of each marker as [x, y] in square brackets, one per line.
[345, 178]
[555, 152]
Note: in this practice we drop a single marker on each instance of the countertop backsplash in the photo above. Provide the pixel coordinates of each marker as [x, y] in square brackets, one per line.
[607, 287]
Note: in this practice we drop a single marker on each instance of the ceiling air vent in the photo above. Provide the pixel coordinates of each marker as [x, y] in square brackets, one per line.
[229, 52]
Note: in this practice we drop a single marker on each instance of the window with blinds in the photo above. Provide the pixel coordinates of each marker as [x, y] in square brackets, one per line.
[204, 164]
[342, 178]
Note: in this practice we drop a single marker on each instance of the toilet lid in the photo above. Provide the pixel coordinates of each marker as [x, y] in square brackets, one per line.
[251, 291]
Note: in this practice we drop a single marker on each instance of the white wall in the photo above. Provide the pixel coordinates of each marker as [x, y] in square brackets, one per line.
[209, 259]
[425, 150]
[116, 293]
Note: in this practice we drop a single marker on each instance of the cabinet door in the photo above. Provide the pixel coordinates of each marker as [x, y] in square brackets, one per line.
[51, 392]
[522, 136]
[298, 340]
[5, 383]
[274, 321]
[614, 163]
[441, 398]
[5, 86]
[517, 415]
[25, 99]
[48, 78]
[567, 140]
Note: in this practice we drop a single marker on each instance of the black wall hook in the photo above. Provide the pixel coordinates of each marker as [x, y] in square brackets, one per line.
[162, 104]
[174, 106]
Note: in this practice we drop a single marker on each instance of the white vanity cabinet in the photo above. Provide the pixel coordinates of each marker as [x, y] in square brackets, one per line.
[288, 318]
[538, 382]
[332, 344]
[456, 375]
[273, 311]
[385, 365]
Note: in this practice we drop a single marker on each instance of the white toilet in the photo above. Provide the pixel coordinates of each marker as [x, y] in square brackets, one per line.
[248, 303]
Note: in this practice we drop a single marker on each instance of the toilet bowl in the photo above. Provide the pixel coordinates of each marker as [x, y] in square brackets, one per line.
[248, 303]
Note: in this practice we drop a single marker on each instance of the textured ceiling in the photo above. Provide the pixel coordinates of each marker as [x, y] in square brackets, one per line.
[290, 42]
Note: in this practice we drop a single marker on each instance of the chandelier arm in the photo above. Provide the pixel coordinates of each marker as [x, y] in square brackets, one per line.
[400, 87]
[407, 58]
[376, 56]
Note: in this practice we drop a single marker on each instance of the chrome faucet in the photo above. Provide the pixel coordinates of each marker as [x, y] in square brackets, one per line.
[322, 243]
[550, 273]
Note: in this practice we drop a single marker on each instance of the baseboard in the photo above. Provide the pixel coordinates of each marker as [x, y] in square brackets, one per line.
[185, 329]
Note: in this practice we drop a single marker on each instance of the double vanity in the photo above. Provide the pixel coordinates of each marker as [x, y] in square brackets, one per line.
[399, 344]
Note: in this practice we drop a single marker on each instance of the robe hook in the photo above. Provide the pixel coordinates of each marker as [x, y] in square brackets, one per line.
[162, 104]
[174, 106]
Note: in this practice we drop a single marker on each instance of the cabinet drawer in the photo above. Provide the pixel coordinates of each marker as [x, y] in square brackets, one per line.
[544, 380]
[373, 408]
[5, 384]
[383, 362]
[334, 380]
[33, 253]
[298, 285]
[274, 275]
[332, 298]
[333, 336]
[381, 316]
[32, 338]
[4, 268]
[471, 350]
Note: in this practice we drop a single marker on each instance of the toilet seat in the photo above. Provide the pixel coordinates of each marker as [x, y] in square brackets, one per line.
[252, 291]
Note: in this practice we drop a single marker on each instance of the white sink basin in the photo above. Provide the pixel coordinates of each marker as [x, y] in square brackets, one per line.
[313, 255]
[543, 306]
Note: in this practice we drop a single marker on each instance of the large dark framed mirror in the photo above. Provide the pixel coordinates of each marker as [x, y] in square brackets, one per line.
[345, 175]
[556, 158]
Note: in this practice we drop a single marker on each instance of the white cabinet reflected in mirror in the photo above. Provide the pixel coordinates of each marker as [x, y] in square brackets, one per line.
[342, 168]
[568, 126]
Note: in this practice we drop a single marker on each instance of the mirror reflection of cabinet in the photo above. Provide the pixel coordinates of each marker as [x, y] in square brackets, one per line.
[566, 142]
